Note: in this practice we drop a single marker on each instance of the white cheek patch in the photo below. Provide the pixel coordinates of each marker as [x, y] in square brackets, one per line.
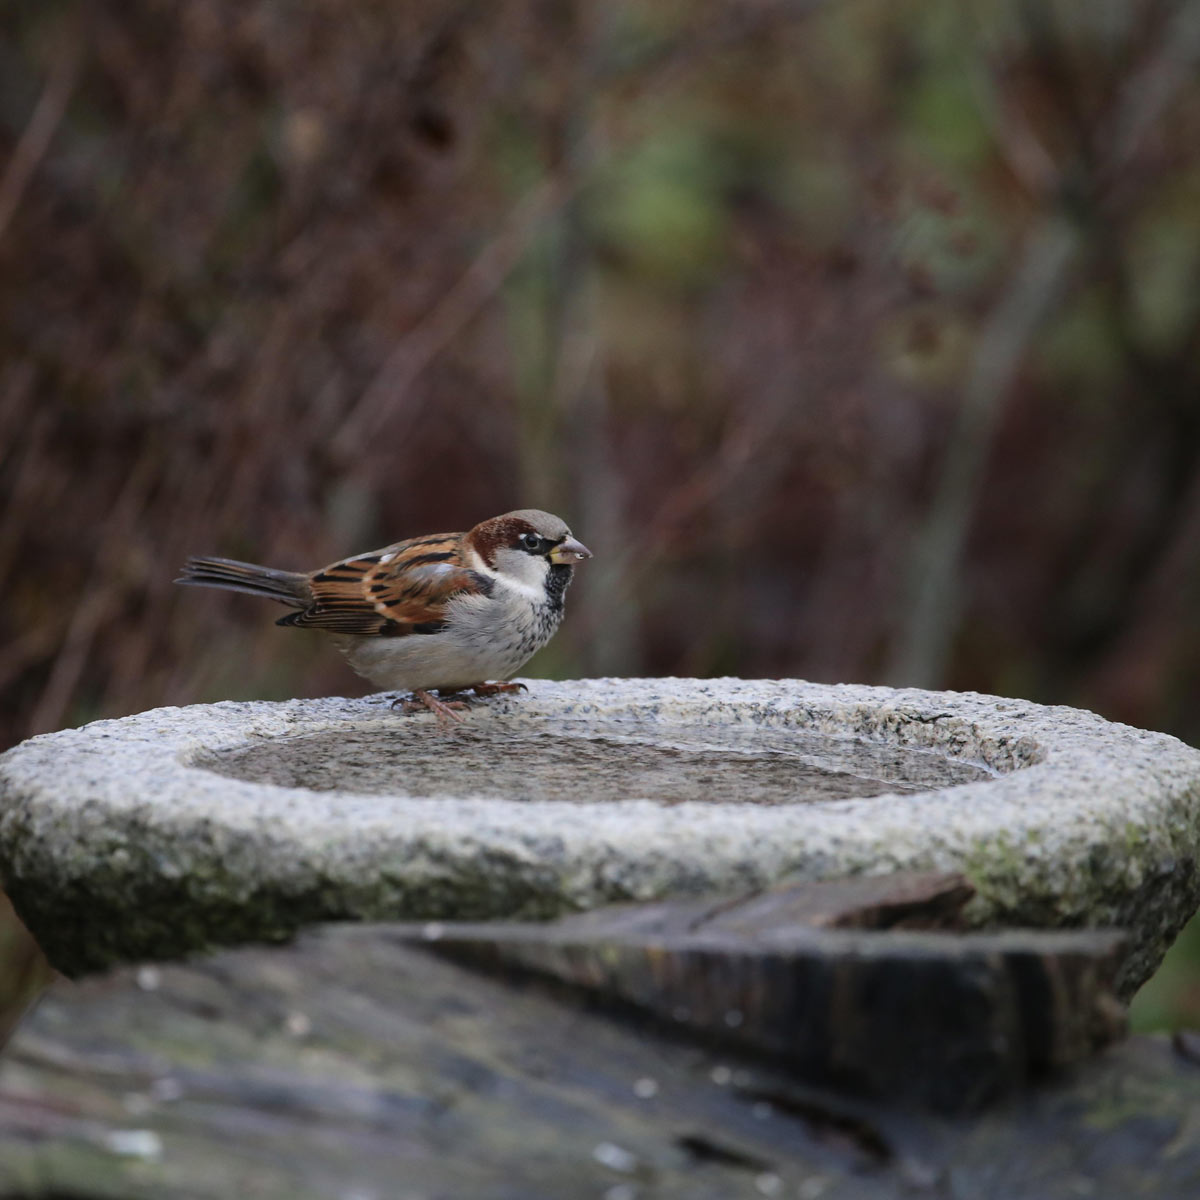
[509, 582]
[522, 573]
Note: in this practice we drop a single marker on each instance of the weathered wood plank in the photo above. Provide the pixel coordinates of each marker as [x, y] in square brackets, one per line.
[950, 1022]
[901, 900]
[354, 1064]
[797, 972]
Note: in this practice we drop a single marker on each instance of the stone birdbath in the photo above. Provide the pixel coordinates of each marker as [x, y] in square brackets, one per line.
[181, 828]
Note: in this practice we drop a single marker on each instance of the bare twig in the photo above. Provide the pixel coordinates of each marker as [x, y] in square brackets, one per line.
[934, 599]
[1026, 155]
[43, 124]
[934, 587]
[422, 344]
[99, 599]
[1146, 93]
[728, 28]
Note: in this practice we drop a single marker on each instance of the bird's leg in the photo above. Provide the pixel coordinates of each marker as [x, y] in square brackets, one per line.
[497, 689]
[444, 710]
[447, 707]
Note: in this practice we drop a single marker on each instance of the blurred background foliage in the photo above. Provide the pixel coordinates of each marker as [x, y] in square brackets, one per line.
[860, 340]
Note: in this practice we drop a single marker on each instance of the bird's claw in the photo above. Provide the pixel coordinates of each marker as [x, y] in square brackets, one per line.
[497, 689]
[446, 711]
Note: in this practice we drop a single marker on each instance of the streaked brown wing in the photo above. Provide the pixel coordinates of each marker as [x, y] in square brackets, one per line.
[399, 590]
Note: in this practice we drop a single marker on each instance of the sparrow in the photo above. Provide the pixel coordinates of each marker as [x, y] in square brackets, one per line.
[445, 612]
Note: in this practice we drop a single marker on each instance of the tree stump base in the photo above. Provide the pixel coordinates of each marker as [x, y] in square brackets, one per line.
[367, 1061]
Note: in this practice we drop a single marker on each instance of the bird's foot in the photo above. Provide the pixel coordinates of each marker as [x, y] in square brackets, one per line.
[497, 689]
[448, 705]
[446, 711]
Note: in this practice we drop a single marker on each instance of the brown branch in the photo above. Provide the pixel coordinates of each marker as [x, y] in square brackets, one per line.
[98, 600]
[422, 344]
[47, 115]
[418, 348]
[934, 588]
[934, 600]
[1146, 93]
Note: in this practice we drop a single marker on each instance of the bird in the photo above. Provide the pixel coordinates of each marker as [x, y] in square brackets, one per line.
[444, 612]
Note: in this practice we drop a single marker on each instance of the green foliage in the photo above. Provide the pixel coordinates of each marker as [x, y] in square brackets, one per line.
[661, 208]
[1171, 998]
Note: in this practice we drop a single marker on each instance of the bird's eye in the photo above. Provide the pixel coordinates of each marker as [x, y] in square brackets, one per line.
[531, 541]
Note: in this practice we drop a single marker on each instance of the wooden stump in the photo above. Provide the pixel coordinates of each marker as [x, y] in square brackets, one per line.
[357, 1064]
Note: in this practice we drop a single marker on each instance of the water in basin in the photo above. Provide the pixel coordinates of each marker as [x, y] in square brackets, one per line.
[594, 763]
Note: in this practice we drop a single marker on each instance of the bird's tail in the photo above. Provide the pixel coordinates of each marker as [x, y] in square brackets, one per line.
[288, 587]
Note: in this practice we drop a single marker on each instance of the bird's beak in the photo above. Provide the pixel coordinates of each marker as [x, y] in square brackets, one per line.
[570, 551]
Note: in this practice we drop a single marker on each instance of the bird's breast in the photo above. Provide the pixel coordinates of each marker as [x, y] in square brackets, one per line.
[482, 638]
